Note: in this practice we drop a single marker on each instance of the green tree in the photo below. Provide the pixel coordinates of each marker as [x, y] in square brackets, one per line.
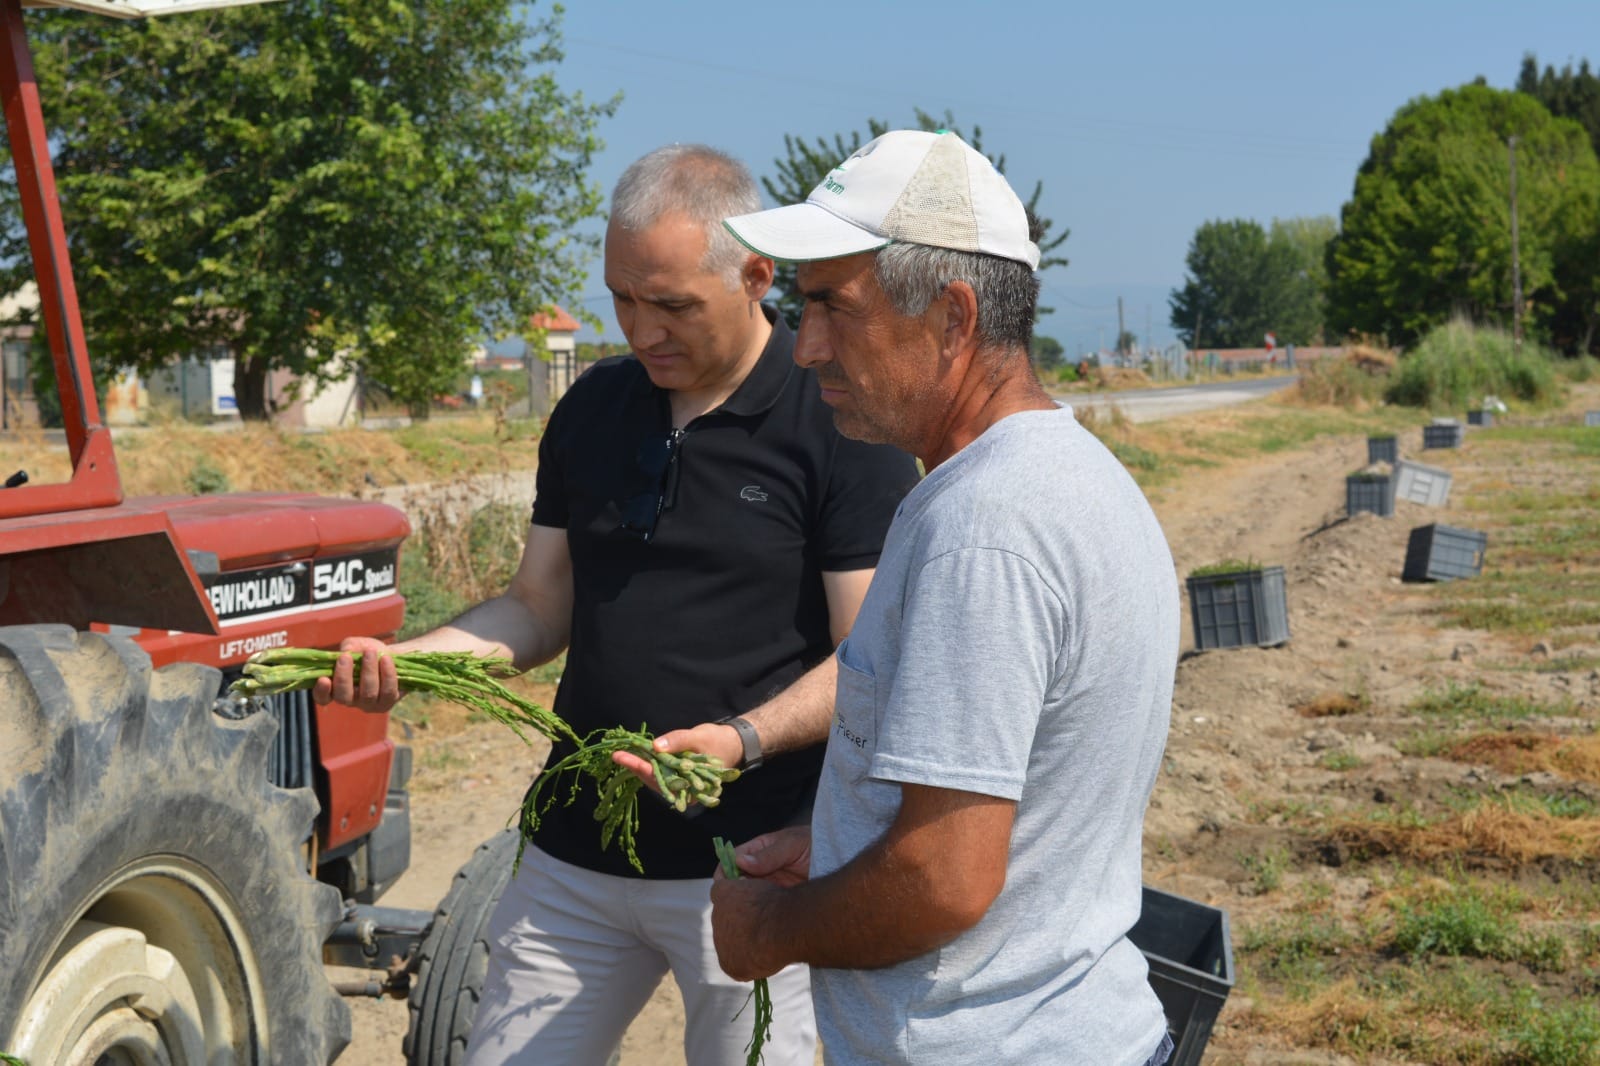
[1302, 307]
[1127, 341]
[314, 183]
[1574, 321]
[1243, 283]
[1566, 93]
[592, 351]
[804, 165]
[1427, 232]
[1046, 352]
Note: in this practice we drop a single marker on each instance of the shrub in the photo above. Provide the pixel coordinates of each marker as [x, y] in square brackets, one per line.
[448, 566]
[1459, 924]
[1582, 368]
[1458, 364]
[206, 477]
[1355, 380]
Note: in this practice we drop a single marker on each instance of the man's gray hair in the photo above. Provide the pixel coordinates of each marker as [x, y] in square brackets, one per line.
[697, 181]
[912, 275]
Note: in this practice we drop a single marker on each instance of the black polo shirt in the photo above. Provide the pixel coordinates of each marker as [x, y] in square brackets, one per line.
[723, 608]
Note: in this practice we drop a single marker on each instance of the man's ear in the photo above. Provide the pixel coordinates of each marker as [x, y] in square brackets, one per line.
[756, 276]
[960, 318]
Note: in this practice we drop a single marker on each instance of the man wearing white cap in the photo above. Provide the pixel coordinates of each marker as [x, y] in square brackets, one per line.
[972, 868]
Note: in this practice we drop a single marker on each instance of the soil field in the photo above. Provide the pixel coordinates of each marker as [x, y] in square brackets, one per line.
[1399, 808]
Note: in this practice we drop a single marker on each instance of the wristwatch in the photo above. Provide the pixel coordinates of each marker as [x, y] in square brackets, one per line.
[747, 737]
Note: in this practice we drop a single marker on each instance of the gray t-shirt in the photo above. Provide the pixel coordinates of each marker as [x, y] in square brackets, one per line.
[1019, 640]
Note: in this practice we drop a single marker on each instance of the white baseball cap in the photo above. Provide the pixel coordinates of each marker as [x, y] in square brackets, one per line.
[907, 185]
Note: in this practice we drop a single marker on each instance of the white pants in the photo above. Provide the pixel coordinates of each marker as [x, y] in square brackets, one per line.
[575, 955]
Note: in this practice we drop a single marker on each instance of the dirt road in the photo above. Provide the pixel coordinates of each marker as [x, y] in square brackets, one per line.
[1237, 746]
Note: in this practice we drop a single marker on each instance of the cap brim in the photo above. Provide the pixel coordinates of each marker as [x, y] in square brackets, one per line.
[802, 233]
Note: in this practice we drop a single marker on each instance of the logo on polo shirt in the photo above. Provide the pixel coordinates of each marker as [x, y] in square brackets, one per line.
[752, 493]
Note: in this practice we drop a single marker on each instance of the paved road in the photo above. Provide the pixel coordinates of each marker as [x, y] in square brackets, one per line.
[1149, 405]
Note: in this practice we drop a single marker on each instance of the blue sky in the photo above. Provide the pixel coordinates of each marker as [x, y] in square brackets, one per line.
[1143, 120]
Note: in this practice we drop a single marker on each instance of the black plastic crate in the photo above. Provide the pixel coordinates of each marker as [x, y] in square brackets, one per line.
[1442, 435]
[1480, 418]
[1383, 450]
[1239, 609]
[1369, 492]
[1191, 966]
[1443, 553]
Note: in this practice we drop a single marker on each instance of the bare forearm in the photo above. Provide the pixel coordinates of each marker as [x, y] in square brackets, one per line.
[930, 878]
[801, 715]
[895, 913]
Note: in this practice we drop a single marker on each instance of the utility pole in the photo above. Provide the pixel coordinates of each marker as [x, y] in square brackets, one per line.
[1516, 260]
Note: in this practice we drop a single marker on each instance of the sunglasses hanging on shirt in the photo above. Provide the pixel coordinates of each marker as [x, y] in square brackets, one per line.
[658, 464]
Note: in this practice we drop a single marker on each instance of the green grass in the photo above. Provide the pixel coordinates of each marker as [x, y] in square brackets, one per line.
[1474, 702]
[1136, 459]
[1555, 804]
[1226, 566]
[1427, 743]
[1462, 924]
[1272, 428]
[1294, 951]
[1339, 761]
[1473, 923]
[1542, 562]
[1572, 440]
[1530, 602]
[1267, 868]
[1560, 1034]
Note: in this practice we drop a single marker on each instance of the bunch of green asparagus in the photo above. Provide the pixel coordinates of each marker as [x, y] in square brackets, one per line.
[761, 994]
[472, 681]
[690, 777]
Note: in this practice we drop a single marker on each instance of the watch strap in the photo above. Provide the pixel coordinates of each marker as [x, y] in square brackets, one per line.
[747, 737]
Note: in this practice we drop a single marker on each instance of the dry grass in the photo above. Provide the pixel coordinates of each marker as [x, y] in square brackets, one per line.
[1522, 753]
[1332, 705]
[179, 458]
[1370, 358]
[1118, 377]
[1354, 381]
[1489, 830]
[1333, 1017]
[1104, 420]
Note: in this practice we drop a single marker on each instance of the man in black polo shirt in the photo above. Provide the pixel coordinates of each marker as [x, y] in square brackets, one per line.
[702, 537]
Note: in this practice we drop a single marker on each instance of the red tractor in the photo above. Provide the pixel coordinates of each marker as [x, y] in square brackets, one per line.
[176, 866]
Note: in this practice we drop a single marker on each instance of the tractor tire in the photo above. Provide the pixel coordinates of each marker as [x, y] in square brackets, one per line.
[154, 906]
[454, 958]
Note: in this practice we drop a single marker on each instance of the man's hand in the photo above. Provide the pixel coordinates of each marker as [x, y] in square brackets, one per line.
[782, 857]
[379, 689]
[708, 739]
[740, 906]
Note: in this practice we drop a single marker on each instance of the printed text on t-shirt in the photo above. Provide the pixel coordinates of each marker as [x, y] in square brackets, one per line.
[844, 732]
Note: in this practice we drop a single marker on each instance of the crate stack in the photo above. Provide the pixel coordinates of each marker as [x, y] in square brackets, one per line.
[1434, 552]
